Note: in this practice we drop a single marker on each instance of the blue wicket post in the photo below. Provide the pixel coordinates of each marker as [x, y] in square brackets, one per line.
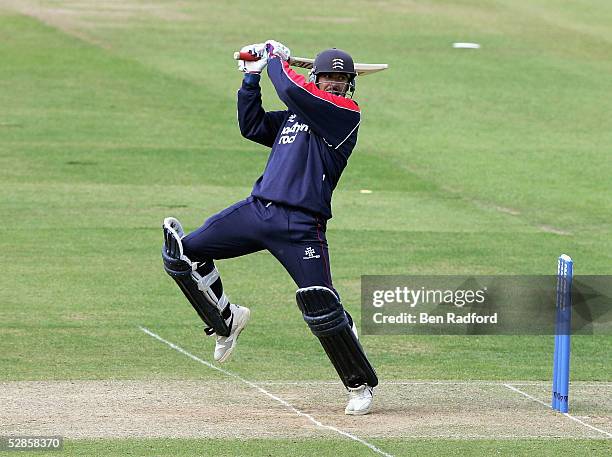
[563, 330]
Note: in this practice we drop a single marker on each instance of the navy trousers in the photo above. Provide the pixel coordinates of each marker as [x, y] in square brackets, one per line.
[295, 237]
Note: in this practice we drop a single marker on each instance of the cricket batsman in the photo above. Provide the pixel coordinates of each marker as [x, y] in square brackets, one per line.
[287, 211]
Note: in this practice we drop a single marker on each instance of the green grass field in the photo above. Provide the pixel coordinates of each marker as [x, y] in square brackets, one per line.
[116, 114]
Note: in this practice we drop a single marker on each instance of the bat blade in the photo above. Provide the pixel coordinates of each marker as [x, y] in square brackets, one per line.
[369, 68]
[303, 62]
[360, 68]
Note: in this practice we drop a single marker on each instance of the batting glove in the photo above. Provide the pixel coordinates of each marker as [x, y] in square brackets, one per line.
[274, 48]
[254, 66]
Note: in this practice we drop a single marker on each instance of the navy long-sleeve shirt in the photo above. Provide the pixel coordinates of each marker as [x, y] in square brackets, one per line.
[311, 141]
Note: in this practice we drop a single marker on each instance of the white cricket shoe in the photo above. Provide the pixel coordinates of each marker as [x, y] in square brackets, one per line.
[225, 344]
[360, 400]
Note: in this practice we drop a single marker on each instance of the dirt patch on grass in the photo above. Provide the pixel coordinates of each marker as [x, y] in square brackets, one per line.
[80, 19]
[92, 11]
[70, 21]
[330, 19]
[121, 409]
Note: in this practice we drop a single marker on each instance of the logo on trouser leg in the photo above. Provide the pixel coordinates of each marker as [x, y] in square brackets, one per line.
[309, 253]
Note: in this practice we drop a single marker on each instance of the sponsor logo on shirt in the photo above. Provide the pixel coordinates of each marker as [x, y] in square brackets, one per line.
[289, 134]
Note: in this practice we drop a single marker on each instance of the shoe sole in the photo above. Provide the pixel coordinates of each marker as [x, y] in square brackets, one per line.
[239, 329]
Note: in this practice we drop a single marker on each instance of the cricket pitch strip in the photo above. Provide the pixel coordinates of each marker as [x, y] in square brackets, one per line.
[206, 409]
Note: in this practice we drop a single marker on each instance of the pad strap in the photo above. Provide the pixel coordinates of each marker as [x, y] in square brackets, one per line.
[204, 284]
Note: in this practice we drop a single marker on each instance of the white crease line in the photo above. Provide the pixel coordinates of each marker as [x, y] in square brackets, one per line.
[574, 383]
[437, 383]
[608, 434]
[265, 392]
[393, 383]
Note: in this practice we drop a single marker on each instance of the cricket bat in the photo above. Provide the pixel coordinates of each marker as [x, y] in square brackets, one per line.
[303, 62]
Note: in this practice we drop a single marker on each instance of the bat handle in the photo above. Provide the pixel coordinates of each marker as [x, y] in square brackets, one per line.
[245, 56]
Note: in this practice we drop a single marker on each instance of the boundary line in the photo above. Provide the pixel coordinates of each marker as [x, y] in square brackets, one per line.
[265, 392]
[525, 394]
